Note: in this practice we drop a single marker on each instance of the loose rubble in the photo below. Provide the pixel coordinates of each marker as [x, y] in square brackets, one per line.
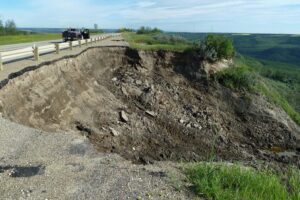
[123, 116]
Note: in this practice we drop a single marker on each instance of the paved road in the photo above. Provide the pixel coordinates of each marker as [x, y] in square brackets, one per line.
[24, 45]
[29, 44]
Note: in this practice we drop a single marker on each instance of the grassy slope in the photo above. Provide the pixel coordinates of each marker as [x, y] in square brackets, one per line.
[149, 42]
[249, 74]
[15, 39]
[278, 93]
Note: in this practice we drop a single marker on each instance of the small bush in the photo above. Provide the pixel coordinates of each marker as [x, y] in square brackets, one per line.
[227, 182]
[217, 47]
[237, 78]
[148, 30]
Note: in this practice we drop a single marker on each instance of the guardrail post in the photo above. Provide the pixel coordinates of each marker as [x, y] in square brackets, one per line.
[57, 48]
[71, 45]
[86, 42]
[79, 42]
[36, 53]
[1, 64]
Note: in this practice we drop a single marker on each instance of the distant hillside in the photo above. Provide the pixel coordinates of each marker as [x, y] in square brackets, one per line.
[281, 48]
[273, 47]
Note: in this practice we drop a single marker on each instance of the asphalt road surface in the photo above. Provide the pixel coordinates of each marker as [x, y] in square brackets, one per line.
[29, 44]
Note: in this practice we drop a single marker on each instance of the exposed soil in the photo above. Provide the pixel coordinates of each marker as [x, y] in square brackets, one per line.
[171, 110]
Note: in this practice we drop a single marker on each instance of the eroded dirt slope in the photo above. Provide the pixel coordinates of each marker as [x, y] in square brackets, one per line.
[150, 106]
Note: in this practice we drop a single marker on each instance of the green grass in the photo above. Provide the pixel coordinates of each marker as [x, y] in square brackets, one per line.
[15, 39]
[237, 78]
[153, 42]
[234, 182]
[267, 88]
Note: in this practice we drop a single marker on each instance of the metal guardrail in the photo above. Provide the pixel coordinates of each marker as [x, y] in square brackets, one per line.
[36, 51]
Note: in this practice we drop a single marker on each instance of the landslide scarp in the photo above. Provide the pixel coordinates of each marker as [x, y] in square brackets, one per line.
[172, 110]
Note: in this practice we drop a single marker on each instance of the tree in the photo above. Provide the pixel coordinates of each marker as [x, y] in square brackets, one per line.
[1, 27]
[10, 27]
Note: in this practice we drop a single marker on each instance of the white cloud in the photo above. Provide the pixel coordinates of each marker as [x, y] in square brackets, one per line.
[189, 15]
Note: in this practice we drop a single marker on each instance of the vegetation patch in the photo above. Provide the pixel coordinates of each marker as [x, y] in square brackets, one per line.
[157, 41]
[227, 182]
[124, 30]
[148, 30]
[15, 39]
[237, 78]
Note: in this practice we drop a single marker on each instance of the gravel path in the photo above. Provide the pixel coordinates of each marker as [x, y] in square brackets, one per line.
[65, 166]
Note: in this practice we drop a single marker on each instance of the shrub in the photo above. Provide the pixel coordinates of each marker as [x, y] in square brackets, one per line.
[237, 78]
[216, 47]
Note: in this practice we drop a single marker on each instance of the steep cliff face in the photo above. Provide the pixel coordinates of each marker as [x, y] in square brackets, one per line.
[150, 106]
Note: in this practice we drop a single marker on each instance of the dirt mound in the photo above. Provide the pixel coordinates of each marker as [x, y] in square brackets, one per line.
[148, 106]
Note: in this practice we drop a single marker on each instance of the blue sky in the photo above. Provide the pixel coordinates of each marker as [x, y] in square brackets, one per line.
[247, 16]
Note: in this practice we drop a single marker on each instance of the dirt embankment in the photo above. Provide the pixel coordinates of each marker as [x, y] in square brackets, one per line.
[150, 106]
